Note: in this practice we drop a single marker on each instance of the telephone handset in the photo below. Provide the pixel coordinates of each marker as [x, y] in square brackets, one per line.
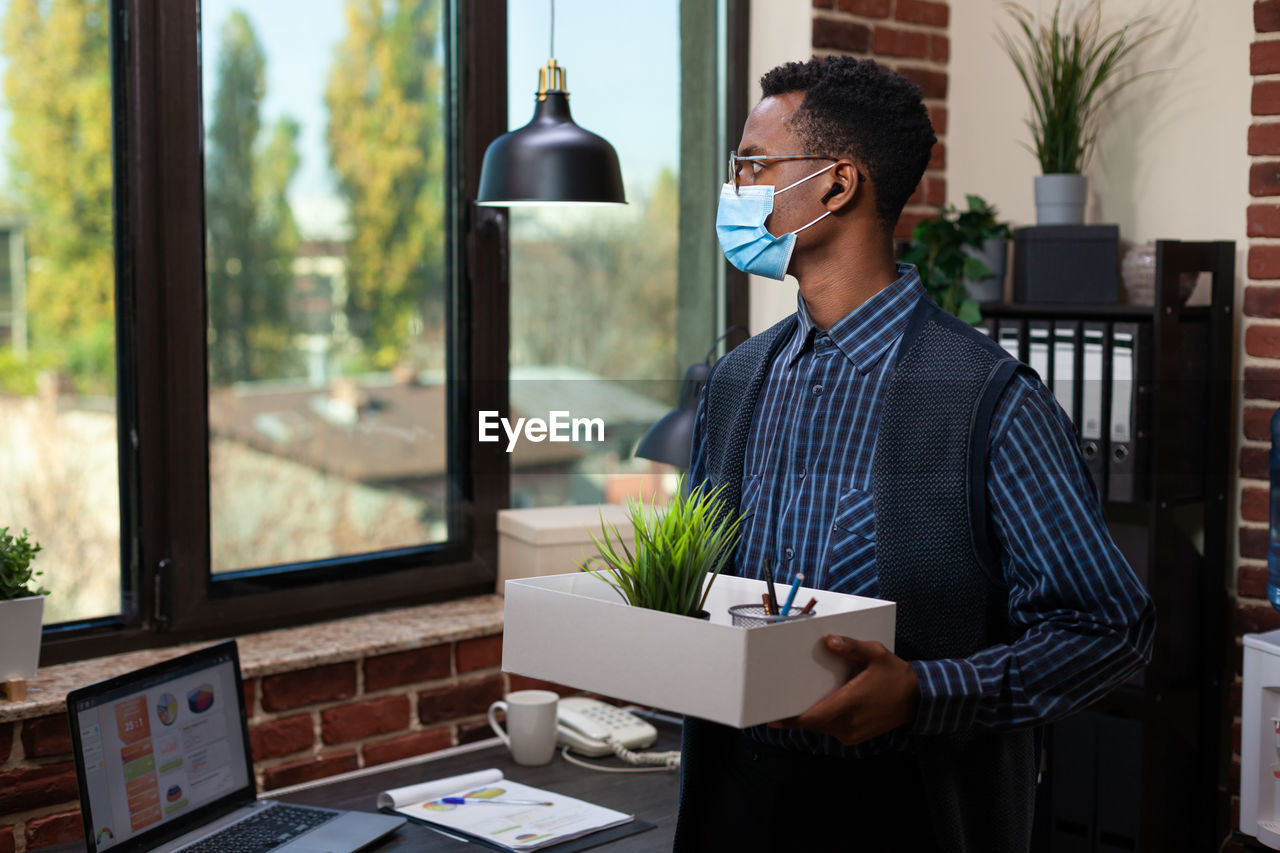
[584, 724]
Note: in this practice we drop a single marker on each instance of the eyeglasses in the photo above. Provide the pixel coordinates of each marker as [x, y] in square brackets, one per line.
[765, 159]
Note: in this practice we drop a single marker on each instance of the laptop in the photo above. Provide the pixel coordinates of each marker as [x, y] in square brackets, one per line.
[162, 758]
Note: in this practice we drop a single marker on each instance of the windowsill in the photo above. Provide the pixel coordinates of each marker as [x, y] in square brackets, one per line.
[285, 650]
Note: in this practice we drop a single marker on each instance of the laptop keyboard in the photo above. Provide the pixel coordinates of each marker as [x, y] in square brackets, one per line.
[268, 828]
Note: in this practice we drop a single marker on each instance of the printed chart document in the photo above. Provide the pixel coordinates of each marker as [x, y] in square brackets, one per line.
[490, 816]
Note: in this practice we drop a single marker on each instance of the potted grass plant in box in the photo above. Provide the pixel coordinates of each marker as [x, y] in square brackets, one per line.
[21, 607]
[679, 550]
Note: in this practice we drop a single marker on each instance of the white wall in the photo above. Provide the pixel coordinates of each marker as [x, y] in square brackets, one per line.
[781, 31]
[1171, 159]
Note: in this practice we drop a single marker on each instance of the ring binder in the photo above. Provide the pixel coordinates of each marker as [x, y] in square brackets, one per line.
[1064, 368]
[1127, 457]
[1092, 443]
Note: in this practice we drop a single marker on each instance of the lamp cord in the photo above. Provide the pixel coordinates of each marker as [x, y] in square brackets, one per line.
[727, 332]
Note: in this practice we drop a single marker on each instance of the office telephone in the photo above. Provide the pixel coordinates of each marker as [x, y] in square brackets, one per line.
[585, 724]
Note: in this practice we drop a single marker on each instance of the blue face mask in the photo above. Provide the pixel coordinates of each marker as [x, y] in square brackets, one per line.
[746, 243]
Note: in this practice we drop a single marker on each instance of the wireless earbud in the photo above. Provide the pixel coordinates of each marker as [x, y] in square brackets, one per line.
[835, 188]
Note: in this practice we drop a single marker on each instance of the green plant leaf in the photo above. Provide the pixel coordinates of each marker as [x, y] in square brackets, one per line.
[679, 550]
[17, 578]
[975, 269]
[969, 312]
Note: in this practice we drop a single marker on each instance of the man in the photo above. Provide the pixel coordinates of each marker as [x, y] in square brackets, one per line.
[884, 448]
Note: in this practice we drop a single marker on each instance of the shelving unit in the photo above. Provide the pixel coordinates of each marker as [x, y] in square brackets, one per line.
[1145, 768]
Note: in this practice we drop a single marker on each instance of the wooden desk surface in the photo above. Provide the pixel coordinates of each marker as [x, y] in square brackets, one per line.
[651, 797]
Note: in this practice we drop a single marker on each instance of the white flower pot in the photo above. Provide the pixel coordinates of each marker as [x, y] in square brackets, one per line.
[1060, 199]
[20, 627]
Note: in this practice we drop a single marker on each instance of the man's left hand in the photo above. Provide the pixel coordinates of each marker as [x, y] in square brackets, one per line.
[880, 697]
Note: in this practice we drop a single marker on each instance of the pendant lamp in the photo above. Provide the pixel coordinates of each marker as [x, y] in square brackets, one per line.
[550, 160]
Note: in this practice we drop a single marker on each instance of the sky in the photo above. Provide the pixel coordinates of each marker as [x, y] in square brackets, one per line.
[625, 89]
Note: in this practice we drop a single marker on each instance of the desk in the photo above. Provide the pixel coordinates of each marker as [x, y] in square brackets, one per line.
[651, 797]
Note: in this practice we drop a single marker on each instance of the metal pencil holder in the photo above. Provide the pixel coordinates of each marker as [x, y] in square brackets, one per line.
[753, 616]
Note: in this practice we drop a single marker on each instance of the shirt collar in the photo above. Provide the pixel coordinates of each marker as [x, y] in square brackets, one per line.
[867, 332]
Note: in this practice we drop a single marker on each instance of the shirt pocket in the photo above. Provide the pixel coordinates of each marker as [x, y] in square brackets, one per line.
[851, 550]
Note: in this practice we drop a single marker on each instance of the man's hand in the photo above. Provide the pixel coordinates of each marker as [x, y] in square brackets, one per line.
[880, 697]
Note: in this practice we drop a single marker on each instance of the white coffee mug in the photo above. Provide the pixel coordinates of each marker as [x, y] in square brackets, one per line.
[531, 725]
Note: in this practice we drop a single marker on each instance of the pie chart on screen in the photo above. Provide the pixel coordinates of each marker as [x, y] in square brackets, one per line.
[174, 793]
[200, 699]
[167, 708]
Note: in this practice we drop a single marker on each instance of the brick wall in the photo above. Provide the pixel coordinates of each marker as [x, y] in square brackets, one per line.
[1260, 362]
[303, 725]
[909, 36]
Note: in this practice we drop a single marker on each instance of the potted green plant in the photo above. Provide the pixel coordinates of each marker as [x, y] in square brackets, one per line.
[21, 607]
[1066, 66]
[679, 551]
[961, 257]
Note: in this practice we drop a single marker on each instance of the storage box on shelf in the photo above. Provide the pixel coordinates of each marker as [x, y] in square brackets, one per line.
[552, 540]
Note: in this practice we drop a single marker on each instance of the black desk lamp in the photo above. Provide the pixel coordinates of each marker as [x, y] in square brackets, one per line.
[670, 440]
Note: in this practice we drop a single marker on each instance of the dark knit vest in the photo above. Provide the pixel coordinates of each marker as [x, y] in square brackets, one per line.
[933, 554]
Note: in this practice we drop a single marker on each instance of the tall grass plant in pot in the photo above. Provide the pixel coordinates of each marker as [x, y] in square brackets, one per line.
[21, 607]
[1070, 67]
[679, 551]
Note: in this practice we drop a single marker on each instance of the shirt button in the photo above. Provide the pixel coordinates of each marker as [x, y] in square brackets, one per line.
[788, 552]
[802, 470]
[817, 390]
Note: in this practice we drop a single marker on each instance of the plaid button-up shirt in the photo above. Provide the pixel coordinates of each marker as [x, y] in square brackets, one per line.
[1082, 618]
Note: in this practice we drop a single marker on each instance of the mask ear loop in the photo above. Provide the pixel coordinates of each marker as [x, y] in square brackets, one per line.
[802, 180]
[814, 222]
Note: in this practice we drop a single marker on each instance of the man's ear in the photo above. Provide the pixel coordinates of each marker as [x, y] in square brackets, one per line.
[844, 187]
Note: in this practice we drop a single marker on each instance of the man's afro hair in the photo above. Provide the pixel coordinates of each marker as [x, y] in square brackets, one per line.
[857, 109]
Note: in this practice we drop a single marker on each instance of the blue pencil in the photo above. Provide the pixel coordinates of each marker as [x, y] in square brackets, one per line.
[791, 595]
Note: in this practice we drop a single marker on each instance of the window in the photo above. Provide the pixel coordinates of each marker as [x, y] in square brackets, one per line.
[291, 400]
[328, 400]
[609, 305]
[58, 413]
[296, 310]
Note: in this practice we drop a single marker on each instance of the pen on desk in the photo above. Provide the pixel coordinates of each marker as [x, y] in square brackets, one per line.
[791, 596]
[464, 801]
[809, 606]
[773, 594]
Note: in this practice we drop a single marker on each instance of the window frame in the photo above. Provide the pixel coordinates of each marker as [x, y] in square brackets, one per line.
[167, 592]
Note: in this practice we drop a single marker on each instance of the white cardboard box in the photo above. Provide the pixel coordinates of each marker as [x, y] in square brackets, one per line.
[552, 540]
[575, 630]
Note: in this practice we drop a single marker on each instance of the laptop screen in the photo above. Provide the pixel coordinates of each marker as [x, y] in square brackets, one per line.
[158, 746]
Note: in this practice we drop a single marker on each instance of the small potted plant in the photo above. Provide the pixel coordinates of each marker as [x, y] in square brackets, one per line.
[21, 607]
[961, 257]
[679, 551]
[1065, 66]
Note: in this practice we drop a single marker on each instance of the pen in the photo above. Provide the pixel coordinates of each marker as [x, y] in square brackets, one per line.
[768, 606]
[768, 578]
[791, 596]
[809, 606]
[463, 801]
